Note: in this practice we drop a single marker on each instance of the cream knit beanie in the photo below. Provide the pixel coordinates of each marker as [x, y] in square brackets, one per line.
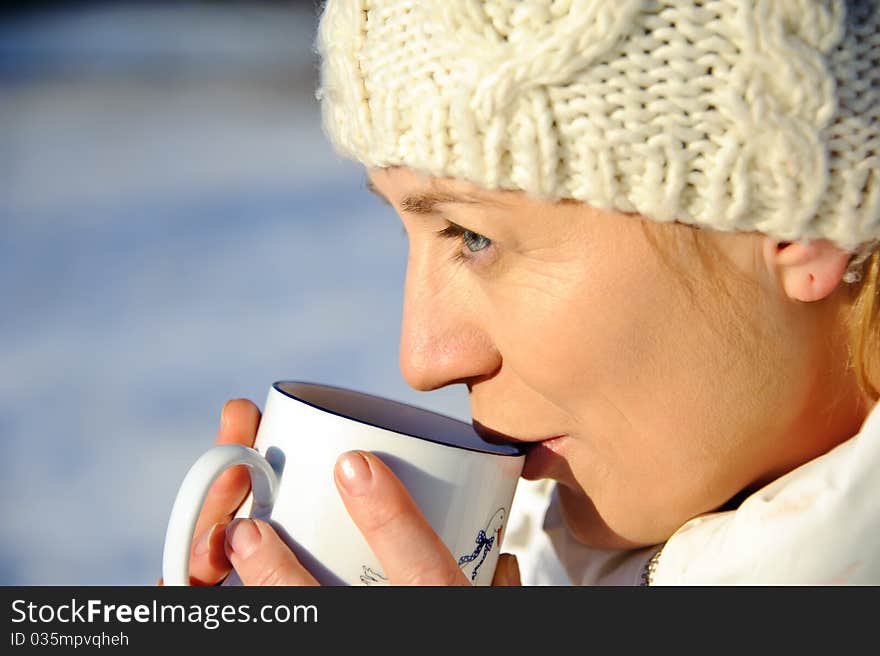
[731, 114]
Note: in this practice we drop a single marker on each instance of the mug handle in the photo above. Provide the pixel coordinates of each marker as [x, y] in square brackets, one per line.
[192, 494]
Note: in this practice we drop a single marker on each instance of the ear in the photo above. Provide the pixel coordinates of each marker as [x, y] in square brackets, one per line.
[808, 271]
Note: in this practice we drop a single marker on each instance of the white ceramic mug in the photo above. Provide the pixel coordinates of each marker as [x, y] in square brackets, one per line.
[463, 483]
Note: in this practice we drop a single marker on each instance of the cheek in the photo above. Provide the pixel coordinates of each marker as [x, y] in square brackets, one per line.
[596, 329]
[634, 363]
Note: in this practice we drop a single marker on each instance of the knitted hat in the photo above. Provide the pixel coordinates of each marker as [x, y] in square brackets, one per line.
[731, 114]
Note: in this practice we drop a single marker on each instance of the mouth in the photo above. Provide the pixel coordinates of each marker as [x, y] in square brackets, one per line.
[545, 459]
[544, 455]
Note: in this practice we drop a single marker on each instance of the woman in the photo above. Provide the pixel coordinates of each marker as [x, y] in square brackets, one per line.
[643, 235]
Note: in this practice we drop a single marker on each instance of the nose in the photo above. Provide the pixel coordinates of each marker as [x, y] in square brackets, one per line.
[444, 337]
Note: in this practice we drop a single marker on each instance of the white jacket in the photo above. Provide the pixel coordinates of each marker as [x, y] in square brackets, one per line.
[818, 524]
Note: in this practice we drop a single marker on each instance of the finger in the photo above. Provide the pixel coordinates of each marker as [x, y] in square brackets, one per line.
[260, 557]
[239, 421]
[507, 571]
[393, 526]
[208, 563]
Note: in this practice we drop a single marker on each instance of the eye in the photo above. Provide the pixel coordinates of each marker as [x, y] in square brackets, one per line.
[475, 242]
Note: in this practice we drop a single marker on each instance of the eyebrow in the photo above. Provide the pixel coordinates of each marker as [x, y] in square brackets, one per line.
[425, 202]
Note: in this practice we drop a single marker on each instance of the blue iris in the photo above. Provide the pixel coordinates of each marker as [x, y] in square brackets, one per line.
[475, 242]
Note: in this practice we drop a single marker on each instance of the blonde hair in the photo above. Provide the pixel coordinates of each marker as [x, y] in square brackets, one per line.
[861, 316]
[863, 323]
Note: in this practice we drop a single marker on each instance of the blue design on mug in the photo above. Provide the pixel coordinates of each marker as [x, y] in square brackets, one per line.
[369, 576]
[487, 537]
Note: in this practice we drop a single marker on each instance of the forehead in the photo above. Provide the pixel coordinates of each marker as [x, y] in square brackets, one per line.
[400, 180]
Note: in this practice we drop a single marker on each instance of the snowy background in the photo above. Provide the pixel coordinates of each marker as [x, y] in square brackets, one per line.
[174, 231]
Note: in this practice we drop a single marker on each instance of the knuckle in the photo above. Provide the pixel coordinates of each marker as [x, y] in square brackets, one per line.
[383, 518]
[270, 576]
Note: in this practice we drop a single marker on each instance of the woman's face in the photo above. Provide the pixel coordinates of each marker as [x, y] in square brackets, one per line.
[649, 401]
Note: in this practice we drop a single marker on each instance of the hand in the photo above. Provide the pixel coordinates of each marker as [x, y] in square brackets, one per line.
[209, 565]
[375, 498]
[398, 534]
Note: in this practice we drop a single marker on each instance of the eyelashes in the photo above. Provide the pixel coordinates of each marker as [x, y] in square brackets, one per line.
[472, 241]
[471, 245]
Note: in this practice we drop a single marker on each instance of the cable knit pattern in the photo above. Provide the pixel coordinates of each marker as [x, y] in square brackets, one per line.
[731, 114]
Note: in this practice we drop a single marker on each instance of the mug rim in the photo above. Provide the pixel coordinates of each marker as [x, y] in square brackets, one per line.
[501, 448]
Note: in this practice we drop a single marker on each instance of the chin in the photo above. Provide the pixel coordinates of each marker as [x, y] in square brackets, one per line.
[588, 527]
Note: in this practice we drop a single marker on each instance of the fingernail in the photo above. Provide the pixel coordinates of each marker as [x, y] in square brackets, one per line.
[243, 537]
[356, 473]
[223, 412]
[204, 542]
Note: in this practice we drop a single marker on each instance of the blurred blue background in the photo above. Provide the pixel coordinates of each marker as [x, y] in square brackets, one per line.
[175, 231]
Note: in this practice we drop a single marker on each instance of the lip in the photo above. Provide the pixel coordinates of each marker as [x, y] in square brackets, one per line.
[544, 458]
[544, 455]
[493, 435]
